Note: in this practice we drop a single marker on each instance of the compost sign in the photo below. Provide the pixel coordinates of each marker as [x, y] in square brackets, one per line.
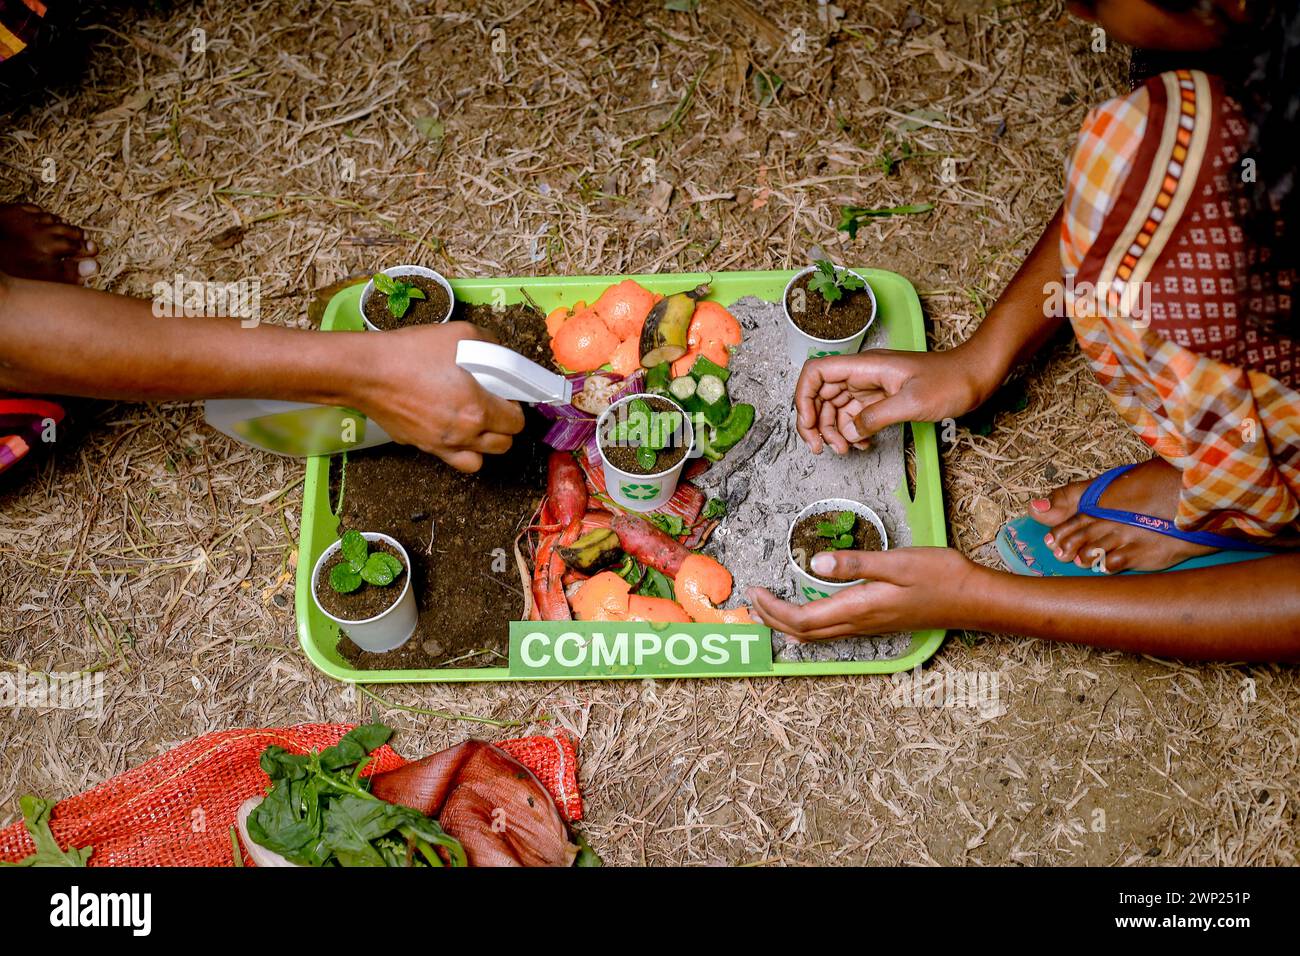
[573, 649]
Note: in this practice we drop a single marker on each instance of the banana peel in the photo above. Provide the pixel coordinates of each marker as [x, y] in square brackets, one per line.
[594, 551]
[663, 337]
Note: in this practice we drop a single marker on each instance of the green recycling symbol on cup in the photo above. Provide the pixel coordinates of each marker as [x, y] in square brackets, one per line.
[810, 593]
[637, 491]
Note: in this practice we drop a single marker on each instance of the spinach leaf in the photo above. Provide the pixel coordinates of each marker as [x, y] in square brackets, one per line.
[656, 584]
[320, 812]
[36, 818]
[674, 525]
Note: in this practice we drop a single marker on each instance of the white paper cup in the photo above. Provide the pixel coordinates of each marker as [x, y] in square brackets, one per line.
[397, 272]
[389, 629]
[802, 346]
[643, 492]
[810, 587]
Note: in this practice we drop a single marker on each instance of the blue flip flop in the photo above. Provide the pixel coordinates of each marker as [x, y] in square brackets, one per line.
[1022, 549]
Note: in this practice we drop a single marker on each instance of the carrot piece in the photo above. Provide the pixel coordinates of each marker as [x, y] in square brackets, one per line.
[584, 343]
[624, 307]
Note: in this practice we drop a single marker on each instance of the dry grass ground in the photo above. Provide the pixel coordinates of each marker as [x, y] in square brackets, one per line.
[164, 553]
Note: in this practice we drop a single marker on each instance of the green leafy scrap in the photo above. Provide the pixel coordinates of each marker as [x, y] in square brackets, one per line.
[715, 508]
[674, 525]
[320, 812]
[656, 584]
[851, 217]
[36, 818]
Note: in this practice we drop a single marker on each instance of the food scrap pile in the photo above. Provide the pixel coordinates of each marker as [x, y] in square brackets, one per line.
[589, 559]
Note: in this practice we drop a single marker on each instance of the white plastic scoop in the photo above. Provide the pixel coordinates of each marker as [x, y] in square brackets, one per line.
[299, 429]
[507, 374]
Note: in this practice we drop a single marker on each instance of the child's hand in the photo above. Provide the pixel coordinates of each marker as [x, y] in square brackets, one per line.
[909, 589]
[415, 390]
[843, 400]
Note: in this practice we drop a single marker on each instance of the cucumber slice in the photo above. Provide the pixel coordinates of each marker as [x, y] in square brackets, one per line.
[658, 378]
[682, 388]
[711, 400]
[706, 366]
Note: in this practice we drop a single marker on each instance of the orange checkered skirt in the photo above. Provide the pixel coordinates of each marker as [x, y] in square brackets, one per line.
[1186, 326]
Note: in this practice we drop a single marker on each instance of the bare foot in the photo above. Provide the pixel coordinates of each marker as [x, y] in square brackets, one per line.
[1151, 488]
[35, 244]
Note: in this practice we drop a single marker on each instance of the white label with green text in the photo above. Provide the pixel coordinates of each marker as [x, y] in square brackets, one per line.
[571, 649]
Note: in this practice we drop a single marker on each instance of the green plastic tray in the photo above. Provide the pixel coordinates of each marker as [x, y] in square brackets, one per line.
[900, 311]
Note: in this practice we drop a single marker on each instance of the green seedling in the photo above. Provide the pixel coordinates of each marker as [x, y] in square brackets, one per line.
[649, 430]
[831, 283]
[839, 531]
[361, 565]
[399, 292]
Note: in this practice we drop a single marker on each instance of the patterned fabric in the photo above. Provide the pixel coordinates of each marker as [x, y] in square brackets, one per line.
[1178, 313]
[1103, 157]
[19, 21]
[25, 422]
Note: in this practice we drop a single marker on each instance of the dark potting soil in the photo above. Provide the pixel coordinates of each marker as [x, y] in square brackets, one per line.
[623, 457]
[832, 321]
[427, 311]
[517, 326]
[458, 529]
[366, 601]
[805, 541]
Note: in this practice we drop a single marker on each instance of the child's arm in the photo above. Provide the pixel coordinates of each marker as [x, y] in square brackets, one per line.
[66, 340]
[1234, 612]
[843, 400]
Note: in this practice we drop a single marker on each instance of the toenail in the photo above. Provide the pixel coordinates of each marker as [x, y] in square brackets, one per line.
[1060, 553]
[87, 267]
[1048, 539]
[1040, 504]
[91, 247]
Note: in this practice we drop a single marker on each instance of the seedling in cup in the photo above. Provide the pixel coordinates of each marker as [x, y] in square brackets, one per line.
[647, 431]
[831, 283]
[362, 583]
[400, 292]
[402, 296]
[644, 441]
[362, 566]
[828, 310]
[832, 524]
[838, 531]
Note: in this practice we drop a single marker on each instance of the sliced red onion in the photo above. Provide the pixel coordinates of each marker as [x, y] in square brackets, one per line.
[575, 423]
[570, 434]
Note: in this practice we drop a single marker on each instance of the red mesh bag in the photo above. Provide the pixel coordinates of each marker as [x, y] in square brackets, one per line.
[177, 809]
